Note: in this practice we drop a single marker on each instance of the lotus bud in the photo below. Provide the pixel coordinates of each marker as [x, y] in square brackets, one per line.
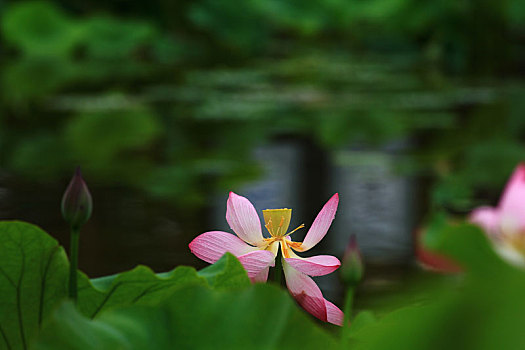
[352, 267]
[77, 204]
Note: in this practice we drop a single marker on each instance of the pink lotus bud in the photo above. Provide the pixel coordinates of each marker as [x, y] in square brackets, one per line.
[77, 204]
[352, 268]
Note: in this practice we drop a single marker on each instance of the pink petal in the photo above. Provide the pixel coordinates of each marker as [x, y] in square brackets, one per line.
[243, 219]
[255, 262]
[512, 202]
[309, 296]
[210, 246]
[321, 224]
[334, 314]
[432, 260]
[262, 276]
[319, 265]
[488, 218]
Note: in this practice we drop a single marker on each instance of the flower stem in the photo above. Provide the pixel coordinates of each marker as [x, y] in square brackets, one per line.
[73, 252]
[349, 301]
[278, 272]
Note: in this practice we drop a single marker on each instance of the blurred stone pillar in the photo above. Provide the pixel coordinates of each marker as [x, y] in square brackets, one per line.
[277, 187]
[376, 204]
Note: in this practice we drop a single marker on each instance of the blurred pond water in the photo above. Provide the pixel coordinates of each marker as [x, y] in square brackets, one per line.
[162, 146]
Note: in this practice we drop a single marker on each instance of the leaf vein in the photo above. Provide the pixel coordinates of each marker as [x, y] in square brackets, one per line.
[110, 293]
[147, 291]
[18, 300]
[43, 284]
[4, 336]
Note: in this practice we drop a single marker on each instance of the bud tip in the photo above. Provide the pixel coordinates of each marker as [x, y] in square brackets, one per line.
[352, 268]
[77, 203]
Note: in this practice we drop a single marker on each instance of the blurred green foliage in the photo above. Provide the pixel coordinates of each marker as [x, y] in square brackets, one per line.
[464, 36]
[105, 38]
[40, 29]
[172, 98]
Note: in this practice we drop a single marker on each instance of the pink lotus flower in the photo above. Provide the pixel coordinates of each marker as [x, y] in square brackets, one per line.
[257, 253]
[505, 224]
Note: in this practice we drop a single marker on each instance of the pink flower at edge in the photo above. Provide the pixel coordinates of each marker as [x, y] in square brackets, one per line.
[431, 260]
[257, 253]
[505, 224]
